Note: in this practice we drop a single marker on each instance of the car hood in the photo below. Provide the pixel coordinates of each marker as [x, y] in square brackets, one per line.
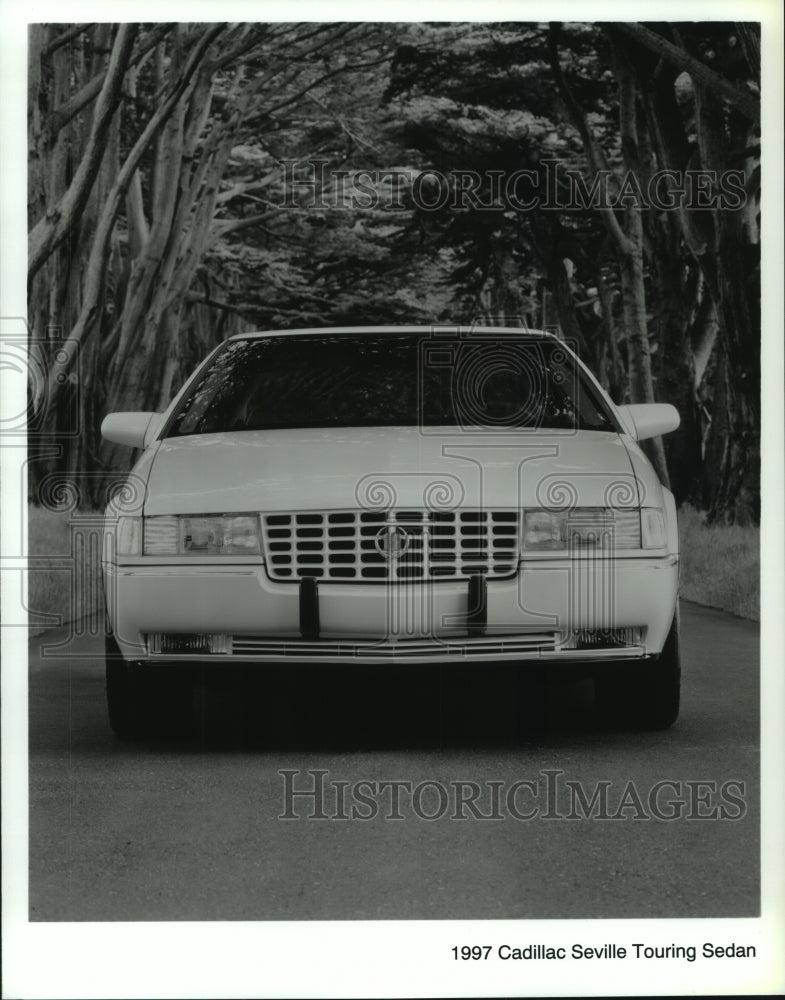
[329, 469]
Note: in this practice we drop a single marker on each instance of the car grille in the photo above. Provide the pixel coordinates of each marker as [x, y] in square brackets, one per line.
[441, 649]
[391, 545]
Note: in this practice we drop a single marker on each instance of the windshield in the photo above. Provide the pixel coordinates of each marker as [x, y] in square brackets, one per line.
[374, 380]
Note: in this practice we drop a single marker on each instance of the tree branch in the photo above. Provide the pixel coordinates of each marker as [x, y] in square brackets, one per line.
[742, 100]
[52, 229]
[64, 38]
[349, 68]
[221, 226]
[61, 116]
[594, 152]
[344, 126]
[248, 187]
[96, 261]
[194, 298]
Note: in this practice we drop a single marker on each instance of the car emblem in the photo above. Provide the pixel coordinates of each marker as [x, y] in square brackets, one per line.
[392, 541]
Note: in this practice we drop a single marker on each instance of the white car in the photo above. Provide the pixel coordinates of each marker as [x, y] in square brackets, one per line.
[379, 495]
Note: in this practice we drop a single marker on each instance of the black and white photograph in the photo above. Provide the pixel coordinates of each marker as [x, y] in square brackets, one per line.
[392, 498]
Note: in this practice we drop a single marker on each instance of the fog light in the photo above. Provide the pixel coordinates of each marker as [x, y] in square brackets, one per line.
[602, 638]
[187, 643]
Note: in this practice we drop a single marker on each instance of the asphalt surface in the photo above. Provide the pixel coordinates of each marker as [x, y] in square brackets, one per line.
[187, 826]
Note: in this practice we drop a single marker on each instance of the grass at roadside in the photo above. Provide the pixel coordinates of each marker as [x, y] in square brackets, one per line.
[66, 580]
[720, 564]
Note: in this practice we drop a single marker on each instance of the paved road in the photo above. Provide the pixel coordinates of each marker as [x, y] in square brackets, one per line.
[188, 827]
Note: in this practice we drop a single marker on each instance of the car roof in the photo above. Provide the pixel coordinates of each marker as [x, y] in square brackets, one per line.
[434, 331]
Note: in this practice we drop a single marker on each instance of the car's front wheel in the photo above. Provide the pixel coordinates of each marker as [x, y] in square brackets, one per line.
[644, 696]
[123, 696]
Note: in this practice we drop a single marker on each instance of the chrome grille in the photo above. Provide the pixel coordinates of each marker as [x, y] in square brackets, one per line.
[393, 545]
[441, 649]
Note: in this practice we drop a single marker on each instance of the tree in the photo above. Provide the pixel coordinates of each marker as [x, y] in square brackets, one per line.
[699, 124]
[137, 193]
[192, 181]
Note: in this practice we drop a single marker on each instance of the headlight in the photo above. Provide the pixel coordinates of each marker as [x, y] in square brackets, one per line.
[219, 535]
[581, 528]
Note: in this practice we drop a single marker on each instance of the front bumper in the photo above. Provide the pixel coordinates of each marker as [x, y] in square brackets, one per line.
[532, 616]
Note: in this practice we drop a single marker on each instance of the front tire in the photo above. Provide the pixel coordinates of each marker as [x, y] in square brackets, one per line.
[645, 696]
[123, 696]
[532, 704]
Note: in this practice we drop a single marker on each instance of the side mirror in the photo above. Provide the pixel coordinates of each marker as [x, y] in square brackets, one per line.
[649, 420]
[130, 429]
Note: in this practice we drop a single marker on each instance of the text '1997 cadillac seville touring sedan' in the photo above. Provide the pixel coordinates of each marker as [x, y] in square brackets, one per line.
[388, 495]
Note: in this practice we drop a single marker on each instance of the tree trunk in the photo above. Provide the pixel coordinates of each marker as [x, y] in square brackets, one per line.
[726, 251]
[638, 355]
[703, 75]
[565, 305]
[89, 313]
[618, 377]
[734, 481]
[50, 231]
[631, 262]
